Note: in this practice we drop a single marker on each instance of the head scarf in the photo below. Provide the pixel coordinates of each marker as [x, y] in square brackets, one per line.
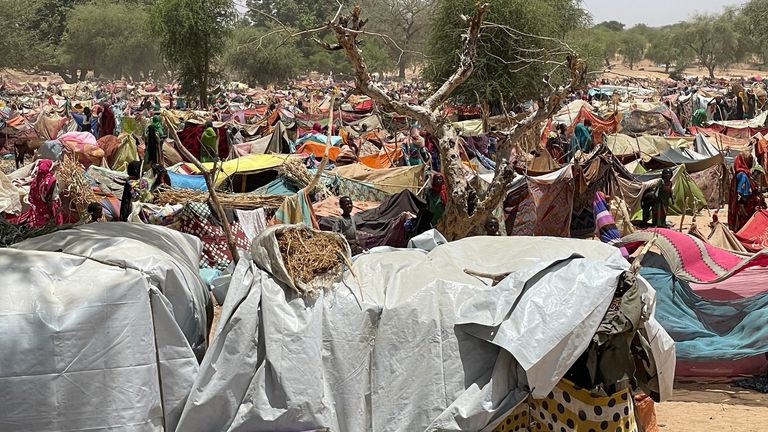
[440, 189]
[741, 164]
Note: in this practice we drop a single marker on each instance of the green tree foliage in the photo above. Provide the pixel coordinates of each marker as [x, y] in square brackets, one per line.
[191, 34]
[667, 48]
[632, 48]
[300, 14]
[49, 19]
[755, 16]
[18, 49]
[713, 39]
[594, 46]
[111, 39]
[407, 22]
[507, 65]
[613, 26]
[261, 55]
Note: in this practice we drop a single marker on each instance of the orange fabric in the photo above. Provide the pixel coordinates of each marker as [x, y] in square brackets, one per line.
[16, 121]
[318, 150]
[646, 413]
[381, 160]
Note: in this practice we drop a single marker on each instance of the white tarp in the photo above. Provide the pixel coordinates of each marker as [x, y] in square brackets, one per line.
[87, 346]
[169, 258]
[411, 343]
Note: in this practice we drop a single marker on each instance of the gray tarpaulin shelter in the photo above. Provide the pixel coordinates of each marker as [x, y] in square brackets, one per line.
[412, 342]
[90, 335]
[168, 258]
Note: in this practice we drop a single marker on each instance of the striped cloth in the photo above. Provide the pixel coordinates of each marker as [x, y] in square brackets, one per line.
[605, 226]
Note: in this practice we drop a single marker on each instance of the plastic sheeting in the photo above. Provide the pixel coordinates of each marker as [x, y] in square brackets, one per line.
[412, 342]
[169, 258]
[88, 345]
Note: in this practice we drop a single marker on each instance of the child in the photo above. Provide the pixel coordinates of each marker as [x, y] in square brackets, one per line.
[96, 212]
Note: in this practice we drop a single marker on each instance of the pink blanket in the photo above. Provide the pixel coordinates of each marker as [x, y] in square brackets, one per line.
[693, 260]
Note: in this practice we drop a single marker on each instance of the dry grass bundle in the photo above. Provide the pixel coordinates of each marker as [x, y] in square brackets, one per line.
[7, 166]
[233, 200]
[294, 171]
[311, 255]
[74, 187]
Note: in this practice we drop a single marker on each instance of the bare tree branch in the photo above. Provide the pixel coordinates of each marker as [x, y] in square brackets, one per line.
[466, 60]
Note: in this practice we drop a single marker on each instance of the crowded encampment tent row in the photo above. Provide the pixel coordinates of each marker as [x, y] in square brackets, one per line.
[282, 204]
[355, 252]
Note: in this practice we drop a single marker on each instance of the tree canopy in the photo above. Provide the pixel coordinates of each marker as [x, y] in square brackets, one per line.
[516, 50]
[111, 40]
[191, 34]
[713, 39]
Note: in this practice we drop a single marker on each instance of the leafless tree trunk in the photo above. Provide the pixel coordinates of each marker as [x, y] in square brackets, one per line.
[458, 221]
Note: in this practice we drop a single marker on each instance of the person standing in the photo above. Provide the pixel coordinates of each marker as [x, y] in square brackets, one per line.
[209, 148]
[437, 198]
[745, 198]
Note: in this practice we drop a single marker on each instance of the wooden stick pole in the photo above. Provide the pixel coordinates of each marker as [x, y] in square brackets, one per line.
[327, 153]
[209, 181]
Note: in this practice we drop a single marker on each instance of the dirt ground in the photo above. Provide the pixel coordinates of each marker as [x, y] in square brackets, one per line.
[713, 406]
[646, 69]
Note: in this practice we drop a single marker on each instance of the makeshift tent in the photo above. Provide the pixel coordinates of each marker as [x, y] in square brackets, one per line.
[708, 332]
[466, 354]
[391, 180]
[644, 146]
[191, 133]
[92, 343]
[553, 197]
[659, 121]
[693, 161]
[687, 197]
[721, 237]
[384, 225]
[241, 168]
[168, 257]
[692, 259]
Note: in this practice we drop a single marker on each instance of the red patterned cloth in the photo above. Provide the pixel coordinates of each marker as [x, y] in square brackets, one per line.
[197, 220]
[693, 260]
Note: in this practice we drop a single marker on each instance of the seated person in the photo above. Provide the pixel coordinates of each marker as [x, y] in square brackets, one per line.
[96, 212]
[348, 154]
[345, 225]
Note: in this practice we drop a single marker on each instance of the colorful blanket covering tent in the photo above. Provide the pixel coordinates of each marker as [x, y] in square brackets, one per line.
[198, 220]
[519, 209]
[659, 121]
[692, 259]
[245, 165]
[391, 180]
[708, 333]
[553, 197]
[571, 408]
[754, 234]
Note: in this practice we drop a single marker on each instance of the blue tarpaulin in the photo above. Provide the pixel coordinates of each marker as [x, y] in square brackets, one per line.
[184, 181]
[708, 329]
